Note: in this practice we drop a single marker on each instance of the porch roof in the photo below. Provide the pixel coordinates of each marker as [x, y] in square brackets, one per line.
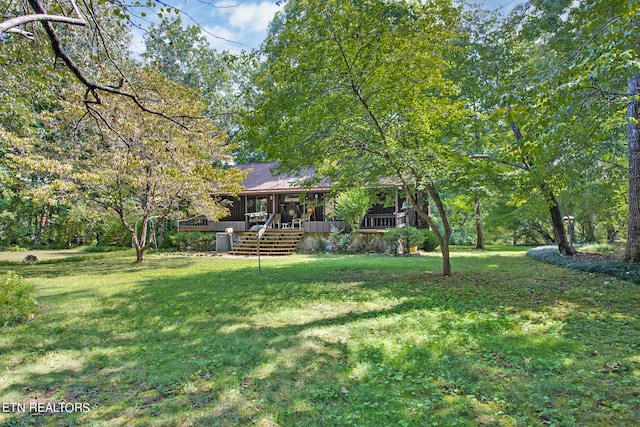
[261, 180]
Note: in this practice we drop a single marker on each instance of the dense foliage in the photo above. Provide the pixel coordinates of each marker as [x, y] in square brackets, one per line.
[429, 242]
[504, 123]
[401, 240]
[16, 298]
[352, 205]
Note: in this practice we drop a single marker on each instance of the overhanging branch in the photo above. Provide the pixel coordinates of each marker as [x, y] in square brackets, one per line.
[11, 24]
[93, 88]
[504, 162]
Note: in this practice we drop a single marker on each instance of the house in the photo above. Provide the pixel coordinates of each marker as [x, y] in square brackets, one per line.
[291, 205]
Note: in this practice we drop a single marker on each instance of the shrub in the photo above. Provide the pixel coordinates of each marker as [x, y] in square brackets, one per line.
[459, 238]
[339, 241]
[621, 270]
[16, 301]
[402, 239]
[318, 245]
[113, 233]
[430, 242]
[193, 241]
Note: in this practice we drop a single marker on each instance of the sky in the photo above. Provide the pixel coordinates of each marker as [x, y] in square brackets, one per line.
[233, 25]
[237, 25]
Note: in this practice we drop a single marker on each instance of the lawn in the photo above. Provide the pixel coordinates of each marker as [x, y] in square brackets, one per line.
[324, 341]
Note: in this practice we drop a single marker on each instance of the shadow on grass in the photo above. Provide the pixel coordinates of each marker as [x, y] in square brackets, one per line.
[93, 265]
[333, 341]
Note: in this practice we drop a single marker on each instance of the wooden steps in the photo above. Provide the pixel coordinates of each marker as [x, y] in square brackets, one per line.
[274, 242]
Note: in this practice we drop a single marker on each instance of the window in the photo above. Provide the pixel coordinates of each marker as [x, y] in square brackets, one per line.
[257, 204]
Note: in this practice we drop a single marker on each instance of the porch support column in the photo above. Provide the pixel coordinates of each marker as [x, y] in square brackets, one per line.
[397, 200]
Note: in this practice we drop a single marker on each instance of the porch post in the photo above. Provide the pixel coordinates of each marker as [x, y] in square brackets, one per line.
[273, 204]
[397, 200]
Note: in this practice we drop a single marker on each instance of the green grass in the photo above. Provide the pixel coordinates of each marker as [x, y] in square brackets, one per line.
[61, 255]
[325, 341]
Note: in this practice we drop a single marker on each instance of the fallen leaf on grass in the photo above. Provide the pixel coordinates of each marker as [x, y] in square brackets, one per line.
[344, 390]
[613, 367]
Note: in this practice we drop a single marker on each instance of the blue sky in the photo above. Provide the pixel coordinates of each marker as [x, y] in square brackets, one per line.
[233, 25]
[237, 25]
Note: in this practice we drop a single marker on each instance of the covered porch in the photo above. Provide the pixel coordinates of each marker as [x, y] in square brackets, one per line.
[301, 202]
[309, 212]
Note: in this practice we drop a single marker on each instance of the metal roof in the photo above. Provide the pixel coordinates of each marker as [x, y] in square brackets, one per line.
[261, 179]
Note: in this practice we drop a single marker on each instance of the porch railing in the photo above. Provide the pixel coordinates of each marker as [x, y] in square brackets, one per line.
[194, 224]
[379, 221]
[370, 222]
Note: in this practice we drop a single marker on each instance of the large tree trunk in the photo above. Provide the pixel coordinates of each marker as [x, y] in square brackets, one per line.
[479, 232]
[554, 209]
[443, 238]
[141, 242]
[559, 232]
[140, 254]
[632, 250]
[423, 202]
[590, 229]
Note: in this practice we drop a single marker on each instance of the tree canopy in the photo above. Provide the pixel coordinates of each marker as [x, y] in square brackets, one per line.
[360, 89]
[141, 167]
[529, 113]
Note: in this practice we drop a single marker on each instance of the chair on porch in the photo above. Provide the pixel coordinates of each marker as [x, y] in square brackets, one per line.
[311, 212]
[300, 221]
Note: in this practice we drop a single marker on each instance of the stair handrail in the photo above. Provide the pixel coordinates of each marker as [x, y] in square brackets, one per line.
[266, 225]
[262, 230]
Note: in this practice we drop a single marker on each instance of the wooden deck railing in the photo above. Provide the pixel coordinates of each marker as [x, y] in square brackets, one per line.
[194, 224]
[370, 222]
[379, 221]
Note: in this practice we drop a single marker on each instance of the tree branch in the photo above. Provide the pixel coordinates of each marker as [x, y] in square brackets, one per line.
[23, 33]
[12, 23]
[504, 162]
[92, 87]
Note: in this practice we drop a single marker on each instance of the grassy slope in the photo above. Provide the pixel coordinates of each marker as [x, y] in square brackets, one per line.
[326, 340]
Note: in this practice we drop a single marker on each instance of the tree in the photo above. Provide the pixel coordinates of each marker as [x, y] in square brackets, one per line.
[632, 250]
[358, 89]
[352, 205]
[97, 61]
[141, 167]
[22, 220]
[184, 55]
[544, 122]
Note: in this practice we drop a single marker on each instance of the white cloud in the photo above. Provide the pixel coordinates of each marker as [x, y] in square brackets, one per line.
[253, 17]
[223, 38]
[232, 25]
[240, 25]
[137, 46]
